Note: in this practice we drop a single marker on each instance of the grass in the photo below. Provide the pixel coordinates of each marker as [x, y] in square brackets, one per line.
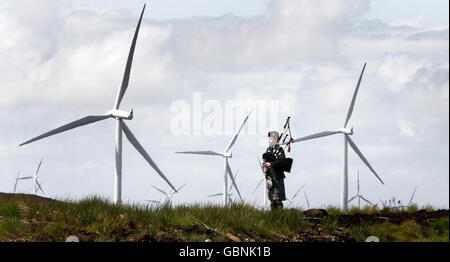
[96, 219]
[407, 231]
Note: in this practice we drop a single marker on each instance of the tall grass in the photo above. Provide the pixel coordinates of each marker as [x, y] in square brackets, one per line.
[105, 220]
[97, 219]
[405, 232]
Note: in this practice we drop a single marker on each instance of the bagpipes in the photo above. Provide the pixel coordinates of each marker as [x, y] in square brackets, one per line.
[270, 157]
[287, 132]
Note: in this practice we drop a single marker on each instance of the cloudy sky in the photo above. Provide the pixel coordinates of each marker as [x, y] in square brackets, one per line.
[63, 60]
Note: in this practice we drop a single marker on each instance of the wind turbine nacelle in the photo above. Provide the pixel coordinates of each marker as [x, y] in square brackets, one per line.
[225, 154]
[121, 114]
[347, 131]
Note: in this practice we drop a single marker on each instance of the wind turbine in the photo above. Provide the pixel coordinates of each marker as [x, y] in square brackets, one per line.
[346, 132]
[412, 196]
[410, 200]
[383, 203]
[17, 179]
[296, 193]
[358, 195]
[35, 179]
[119, 116]
[229, 190]
[168, 196]
[306, 198]
[153, 201]
[260, 182]
[225, 154]
[221, 194]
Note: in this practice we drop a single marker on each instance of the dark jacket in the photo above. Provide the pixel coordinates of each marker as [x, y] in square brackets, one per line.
[277, 163]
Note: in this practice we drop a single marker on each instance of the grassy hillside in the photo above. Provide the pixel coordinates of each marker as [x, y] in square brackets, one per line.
[30, 218]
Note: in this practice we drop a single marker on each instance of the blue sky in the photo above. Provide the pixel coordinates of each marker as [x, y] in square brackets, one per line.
[65, 62]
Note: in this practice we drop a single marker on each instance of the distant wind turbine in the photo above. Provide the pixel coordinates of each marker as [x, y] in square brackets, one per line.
[397, 204]
[306, 198]
[153, 201]
[410, 200]
[412, 196]
[296, 193]
[358, 195]
[229, 190]
[17, 179]
[346, 132]
[168, 196]
[36, 184]
[119, 116]
[226, 154]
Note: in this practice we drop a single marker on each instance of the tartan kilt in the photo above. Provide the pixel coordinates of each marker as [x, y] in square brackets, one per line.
[277, 191]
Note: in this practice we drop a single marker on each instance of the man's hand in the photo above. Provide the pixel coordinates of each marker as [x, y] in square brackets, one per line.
[266, 166]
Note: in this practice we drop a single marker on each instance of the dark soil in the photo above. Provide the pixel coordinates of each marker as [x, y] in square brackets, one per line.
[421, 217]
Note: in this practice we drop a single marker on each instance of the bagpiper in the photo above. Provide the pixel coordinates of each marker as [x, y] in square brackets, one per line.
[275, 164]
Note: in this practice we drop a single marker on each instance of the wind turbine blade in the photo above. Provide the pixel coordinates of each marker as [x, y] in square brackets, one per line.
[307, 201]
[26, 177]
[181, 187]
[259, 183]
[144, 154]
[352, 104]
[80, 122]
[160, 190]
[237, 133]
[39, 186]
[218, 194]
[350, 200]
[126, 74]
[39, 166]
[366, 200]
[17, 179]
[153, 201]
[232, 179]
[414, 192]
[261, 166]
[231, 186]
[298, 191]
[200, 153]
[317, 135]
[358, 152]
[178, 190]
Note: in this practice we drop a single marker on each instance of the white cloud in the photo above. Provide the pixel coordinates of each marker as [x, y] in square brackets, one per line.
[406, 128]
[417, 21]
